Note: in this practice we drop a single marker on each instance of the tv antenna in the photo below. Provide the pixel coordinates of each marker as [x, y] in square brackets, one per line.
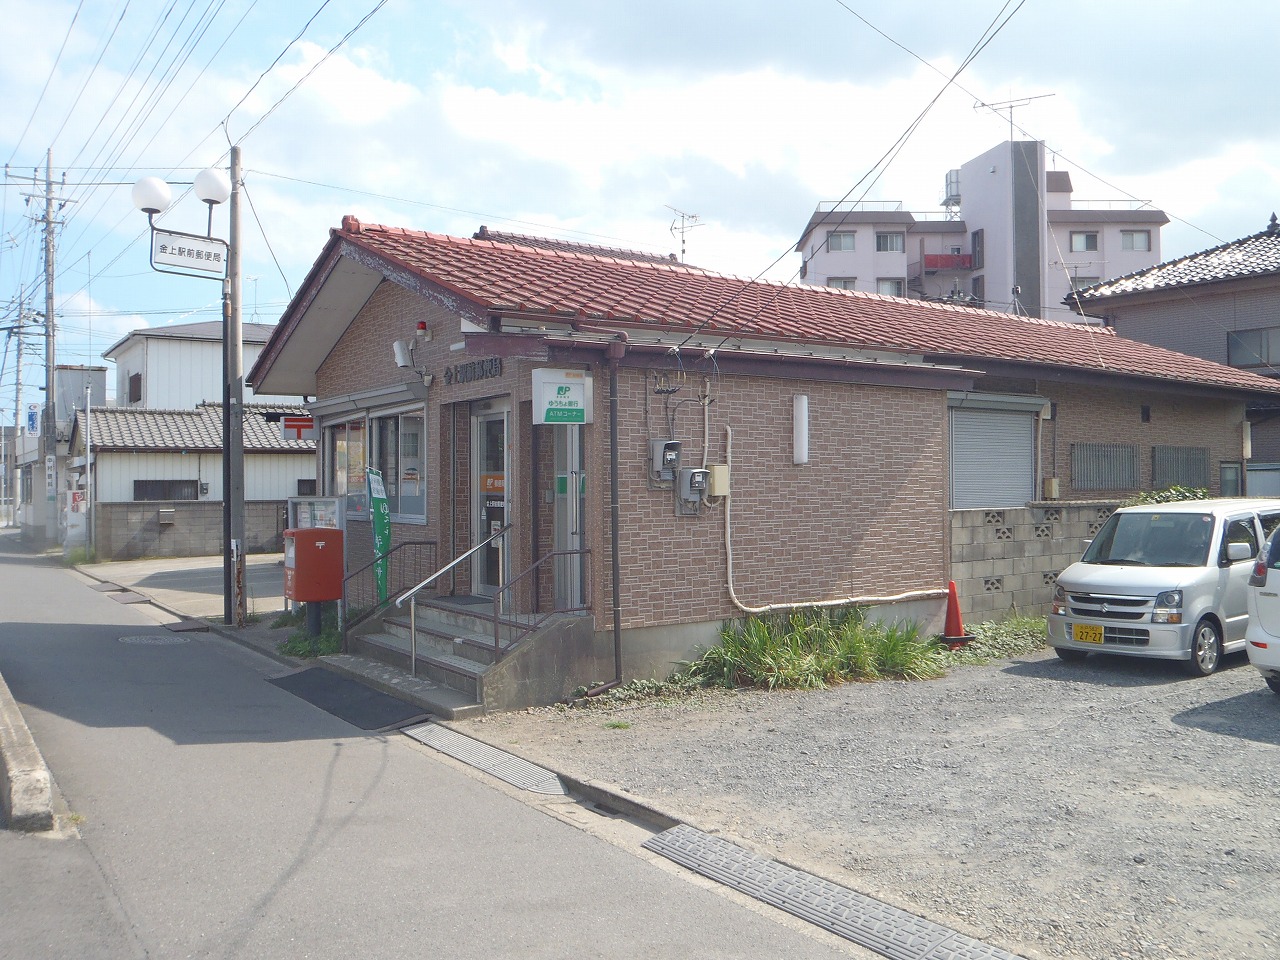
[687, 221]
[1009, 105]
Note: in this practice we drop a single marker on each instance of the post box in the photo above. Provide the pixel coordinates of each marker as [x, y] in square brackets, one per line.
[313, 564]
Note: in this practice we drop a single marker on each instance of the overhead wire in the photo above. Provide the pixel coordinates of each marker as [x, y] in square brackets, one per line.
[882, 164]
[53, 71]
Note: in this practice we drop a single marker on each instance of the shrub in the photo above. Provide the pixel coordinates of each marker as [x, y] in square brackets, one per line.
[1173, 494]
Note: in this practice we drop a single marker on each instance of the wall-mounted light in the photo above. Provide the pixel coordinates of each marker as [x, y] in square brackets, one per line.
[800, 429]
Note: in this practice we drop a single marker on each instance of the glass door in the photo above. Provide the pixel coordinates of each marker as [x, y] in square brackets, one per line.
[570, 499]
[489, 498]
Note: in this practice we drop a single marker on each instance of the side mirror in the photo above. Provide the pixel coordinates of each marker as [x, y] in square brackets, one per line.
[1239, 551]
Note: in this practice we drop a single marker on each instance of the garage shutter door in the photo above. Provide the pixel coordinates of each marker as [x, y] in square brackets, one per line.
[992, 458]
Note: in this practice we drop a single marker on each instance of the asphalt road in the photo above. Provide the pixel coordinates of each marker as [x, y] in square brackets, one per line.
[219, 816]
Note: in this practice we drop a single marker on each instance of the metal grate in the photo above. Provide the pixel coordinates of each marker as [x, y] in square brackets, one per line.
[877, 926]
[505, 766]
[155, 641]
[1104, 466]
[1179, 466]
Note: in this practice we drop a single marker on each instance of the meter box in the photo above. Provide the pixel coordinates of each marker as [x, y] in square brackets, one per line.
[313, 565]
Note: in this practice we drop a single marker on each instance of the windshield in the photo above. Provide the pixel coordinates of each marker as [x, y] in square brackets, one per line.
[1153, 540]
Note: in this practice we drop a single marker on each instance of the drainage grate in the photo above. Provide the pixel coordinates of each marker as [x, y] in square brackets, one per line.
[877, 926]
[154, 641]
[505, 766]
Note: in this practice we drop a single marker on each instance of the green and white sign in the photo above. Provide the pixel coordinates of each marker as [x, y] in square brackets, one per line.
[381, 516]
[562, 396]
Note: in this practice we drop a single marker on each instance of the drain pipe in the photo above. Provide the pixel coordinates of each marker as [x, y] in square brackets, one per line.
[616, 350]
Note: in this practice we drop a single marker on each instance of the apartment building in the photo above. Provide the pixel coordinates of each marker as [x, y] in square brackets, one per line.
[1009, 237]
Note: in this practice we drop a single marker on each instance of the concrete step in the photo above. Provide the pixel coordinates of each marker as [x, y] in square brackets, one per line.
[437, 699]
[442, 635]
[438, 664]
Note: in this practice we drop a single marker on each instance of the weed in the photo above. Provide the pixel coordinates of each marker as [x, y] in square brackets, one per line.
[302, 644]
[999, 640]
[618, 725]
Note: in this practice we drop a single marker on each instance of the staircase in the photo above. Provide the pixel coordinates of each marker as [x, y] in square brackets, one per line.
[459, 673]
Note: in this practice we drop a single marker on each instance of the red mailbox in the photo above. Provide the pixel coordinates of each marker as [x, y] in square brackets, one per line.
[313, 564]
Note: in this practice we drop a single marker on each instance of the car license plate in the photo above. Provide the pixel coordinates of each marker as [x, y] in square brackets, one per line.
[1086, 633]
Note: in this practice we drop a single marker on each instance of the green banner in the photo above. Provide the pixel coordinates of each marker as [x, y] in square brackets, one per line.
[381, 515]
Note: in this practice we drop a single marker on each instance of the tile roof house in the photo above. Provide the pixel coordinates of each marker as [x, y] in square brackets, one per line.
[657, 448]
[1221, 304]
[157, 477]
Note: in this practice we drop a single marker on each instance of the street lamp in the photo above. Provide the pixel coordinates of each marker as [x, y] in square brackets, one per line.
[193, 255]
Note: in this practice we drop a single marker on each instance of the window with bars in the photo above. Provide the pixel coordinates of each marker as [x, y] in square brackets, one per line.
[1104, 466]
[148, 490]
[1179, 467]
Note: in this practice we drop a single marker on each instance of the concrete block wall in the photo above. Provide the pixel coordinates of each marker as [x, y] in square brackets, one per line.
[1005, 560]
[129, 531]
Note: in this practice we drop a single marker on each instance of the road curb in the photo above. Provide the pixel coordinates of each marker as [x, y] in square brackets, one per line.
[26, 788]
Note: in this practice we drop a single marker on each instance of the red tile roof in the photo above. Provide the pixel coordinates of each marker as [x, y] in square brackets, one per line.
[614, 290]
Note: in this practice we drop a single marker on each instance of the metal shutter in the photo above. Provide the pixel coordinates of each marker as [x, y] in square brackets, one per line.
[992, 458]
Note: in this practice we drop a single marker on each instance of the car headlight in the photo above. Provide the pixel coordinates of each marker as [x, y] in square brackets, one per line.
[1059, 606]
[1168, 607]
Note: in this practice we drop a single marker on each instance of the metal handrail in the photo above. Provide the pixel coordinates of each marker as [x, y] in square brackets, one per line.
[530, 627]
[412, 591]
[343, 622]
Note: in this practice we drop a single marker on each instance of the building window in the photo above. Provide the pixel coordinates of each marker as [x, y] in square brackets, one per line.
[166, 490]
[1179, 467]
[1084, 242]
[978, 290]
[345, 460]
[978, 244]
[135, 388]
[1079, 283]
[843, 283]
[1104, 466]
[1138, 240]
[1252, 348]
[955, 250]
[1230, 477]
[892, 286]
[891, 242]
[306, 486]
[399, 445]
[838, 240]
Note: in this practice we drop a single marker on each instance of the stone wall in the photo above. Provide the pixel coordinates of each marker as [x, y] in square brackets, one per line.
[181, 528]
[1005, 561]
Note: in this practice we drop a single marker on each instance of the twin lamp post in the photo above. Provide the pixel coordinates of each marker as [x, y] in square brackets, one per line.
[194, 255]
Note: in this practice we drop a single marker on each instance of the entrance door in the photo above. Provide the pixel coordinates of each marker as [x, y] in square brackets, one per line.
[571, 487]
[489, 497]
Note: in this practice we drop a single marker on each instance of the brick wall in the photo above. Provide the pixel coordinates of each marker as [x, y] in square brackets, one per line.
[1091, 414]
[864, 517]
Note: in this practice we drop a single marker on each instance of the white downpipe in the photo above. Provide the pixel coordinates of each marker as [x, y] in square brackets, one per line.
[771, 607]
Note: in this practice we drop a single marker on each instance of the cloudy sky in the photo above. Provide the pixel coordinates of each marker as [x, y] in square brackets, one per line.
[599, 122]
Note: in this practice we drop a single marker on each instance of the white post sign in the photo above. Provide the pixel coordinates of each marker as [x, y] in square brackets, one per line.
[200, 254]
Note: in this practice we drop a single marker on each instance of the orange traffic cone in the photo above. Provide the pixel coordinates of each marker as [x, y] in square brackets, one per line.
[953, 632]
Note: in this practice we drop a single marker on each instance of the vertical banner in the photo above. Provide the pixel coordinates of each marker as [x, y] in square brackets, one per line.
[381, 517]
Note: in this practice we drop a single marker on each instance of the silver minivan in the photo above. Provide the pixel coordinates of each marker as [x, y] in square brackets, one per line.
[1166, 581]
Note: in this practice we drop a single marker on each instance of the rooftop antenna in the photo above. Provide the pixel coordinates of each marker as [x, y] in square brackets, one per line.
[1009, 105]
[687, 221]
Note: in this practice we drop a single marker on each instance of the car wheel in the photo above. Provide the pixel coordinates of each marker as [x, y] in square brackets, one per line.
[1274, 684]
[1206, 649]
[1070, 656]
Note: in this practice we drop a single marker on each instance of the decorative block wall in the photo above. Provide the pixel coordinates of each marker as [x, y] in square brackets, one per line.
[1005, 561]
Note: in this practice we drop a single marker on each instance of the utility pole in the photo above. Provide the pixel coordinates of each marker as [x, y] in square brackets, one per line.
[49, 436]
[233, 436]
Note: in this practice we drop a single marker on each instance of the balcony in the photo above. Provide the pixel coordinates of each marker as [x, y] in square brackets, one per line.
[934, 262]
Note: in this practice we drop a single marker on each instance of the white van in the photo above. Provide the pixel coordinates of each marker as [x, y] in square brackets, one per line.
[1166, 581]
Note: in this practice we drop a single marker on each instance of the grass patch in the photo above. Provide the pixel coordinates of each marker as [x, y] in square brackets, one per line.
[302, 644]
[809, 649]
[617, 725]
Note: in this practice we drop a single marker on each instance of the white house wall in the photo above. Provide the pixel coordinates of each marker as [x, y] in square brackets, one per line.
[266, 476]
[177, 374]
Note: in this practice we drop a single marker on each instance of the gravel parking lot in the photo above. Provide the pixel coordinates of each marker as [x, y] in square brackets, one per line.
[1111, 809]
